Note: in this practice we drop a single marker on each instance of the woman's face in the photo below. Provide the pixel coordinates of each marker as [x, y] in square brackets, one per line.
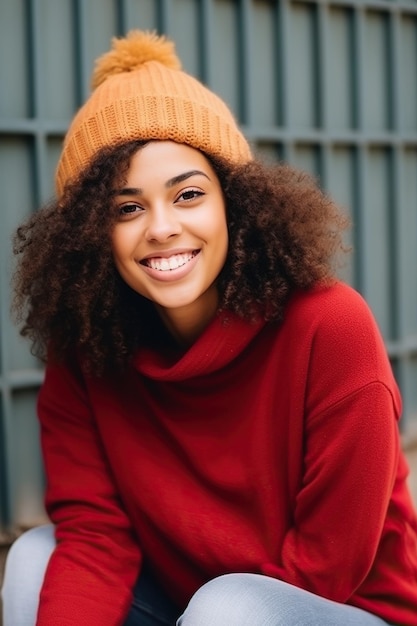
[170, 239]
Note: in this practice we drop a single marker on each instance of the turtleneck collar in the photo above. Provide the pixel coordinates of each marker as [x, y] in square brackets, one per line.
[222, 341]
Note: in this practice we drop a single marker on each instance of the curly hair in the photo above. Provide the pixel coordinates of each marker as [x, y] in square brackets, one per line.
[284, 233]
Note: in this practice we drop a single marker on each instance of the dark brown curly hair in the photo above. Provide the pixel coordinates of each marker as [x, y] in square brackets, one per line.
[284, 233]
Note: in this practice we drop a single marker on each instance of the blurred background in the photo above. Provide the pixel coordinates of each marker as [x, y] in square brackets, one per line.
[330, 86]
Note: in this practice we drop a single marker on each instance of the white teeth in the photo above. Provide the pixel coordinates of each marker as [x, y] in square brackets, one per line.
[171, 263]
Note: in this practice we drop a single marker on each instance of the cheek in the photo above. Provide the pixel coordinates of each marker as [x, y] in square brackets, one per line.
[214, 222]
[120, 243]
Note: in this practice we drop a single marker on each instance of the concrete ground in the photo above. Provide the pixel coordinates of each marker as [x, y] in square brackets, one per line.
[410, 450]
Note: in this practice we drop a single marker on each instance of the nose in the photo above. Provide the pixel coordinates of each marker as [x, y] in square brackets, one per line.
[163, 223]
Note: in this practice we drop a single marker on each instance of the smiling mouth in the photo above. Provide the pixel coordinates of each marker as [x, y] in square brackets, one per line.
[163, 264]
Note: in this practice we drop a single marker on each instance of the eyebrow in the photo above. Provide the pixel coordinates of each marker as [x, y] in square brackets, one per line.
[137, 191]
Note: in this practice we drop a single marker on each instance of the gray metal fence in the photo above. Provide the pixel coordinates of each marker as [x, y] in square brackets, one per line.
[329, 86]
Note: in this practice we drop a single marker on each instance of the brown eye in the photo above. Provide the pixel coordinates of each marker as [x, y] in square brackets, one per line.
[190, 194]
[129, 210]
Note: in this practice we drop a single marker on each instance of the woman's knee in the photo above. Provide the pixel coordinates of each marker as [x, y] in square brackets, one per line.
[233, 599]
[24, 573]
[257, 600]
[33, 548]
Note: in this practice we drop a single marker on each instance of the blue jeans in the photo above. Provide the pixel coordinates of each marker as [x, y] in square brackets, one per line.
[232, 599]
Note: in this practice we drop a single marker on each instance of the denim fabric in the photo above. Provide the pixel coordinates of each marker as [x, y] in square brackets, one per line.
[23, 577]
[229, 600]
[151, 606]
[256, 600]
[24, 573]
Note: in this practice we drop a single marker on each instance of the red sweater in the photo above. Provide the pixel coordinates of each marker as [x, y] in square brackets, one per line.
[263, 448]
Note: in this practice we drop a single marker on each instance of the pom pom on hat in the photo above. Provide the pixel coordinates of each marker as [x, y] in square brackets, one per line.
[128, 54]
[141, 93]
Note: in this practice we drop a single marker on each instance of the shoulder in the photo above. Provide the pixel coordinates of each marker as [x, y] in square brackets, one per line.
[338, 312]
[339, 337]
[337, 300]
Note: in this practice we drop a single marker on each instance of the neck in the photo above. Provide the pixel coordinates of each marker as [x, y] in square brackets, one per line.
[186, 324]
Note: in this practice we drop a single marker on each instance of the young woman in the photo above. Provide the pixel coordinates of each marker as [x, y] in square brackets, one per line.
[218, 416]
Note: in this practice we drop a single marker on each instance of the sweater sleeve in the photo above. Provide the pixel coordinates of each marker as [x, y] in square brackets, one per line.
[96, 561]
[351, 453]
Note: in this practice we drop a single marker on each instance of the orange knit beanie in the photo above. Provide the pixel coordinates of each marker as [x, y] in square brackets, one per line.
[140, 92]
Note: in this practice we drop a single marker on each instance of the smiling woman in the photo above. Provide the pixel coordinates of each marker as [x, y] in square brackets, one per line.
[219, 418]
[170, 242]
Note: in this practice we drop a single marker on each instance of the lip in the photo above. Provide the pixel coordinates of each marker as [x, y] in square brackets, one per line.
[173, 274]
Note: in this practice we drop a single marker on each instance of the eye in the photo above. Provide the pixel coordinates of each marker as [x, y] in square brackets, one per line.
[189, 194]
[129, 210]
